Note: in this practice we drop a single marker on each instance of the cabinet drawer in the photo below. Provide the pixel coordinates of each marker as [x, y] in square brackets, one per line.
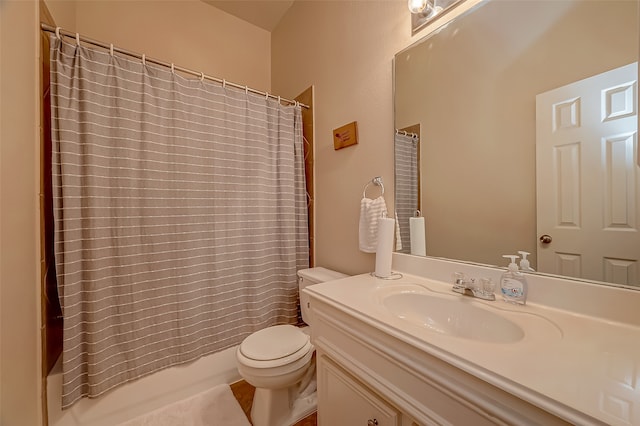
[344, 401]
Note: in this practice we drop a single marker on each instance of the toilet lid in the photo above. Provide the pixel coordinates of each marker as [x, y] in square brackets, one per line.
[273, 343]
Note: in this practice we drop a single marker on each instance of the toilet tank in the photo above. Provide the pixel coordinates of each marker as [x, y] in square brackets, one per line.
[313, 276]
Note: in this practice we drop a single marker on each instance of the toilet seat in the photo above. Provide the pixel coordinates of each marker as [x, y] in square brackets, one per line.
[274, 346]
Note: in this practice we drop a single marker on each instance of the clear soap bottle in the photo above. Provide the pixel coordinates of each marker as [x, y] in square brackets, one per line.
[524, 263]
[513, 284]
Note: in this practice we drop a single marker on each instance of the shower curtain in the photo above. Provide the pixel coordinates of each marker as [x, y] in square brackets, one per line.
[406, 191]
[180, 215]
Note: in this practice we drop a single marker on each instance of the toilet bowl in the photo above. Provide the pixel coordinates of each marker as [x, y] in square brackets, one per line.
[279, 362]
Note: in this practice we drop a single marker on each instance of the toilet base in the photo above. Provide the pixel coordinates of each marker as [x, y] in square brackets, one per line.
[303, 407]
[273, 407]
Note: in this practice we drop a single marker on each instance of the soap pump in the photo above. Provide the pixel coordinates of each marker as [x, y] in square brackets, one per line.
[513, 284]
[524, 263]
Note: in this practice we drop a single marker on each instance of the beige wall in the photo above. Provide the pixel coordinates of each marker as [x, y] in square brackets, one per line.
[64, 13]
[189, 33]
[344, 49]
[19, 217]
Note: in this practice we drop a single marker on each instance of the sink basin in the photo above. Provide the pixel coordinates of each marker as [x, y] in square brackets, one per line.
[454, 317]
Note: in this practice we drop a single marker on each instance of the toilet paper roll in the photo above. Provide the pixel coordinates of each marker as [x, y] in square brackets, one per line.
[417, 236]
[386, 227]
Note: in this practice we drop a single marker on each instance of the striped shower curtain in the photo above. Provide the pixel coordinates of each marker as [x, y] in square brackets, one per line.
[406, 184]
[180, 215]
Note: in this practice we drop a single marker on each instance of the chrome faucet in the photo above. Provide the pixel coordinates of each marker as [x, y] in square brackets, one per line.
[470, 287]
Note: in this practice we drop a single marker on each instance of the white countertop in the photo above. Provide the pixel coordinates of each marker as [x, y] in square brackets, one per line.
[567, 363]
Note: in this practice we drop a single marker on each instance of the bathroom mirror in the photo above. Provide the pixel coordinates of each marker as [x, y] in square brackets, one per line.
[483, 90]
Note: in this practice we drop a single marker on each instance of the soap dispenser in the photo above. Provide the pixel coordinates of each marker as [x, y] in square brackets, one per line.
[513, 284]
[524, 263]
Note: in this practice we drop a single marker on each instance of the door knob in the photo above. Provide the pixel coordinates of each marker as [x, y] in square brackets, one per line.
[372, 422]
[546, 239]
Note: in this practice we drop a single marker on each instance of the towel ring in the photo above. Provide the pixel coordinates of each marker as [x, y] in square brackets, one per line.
[376, 181]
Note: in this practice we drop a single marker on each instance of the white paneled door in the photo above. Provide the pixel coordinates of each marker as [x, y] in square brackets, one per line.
[588, 178]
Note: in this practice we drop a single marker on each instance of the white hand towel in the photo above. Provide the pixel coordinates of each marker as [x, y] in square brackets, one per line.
[370, 212]
[398, 238]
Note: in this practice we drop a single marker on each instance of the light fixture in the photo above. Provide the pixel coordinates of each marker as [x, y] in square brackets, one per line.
[424, 11]
[417, 6]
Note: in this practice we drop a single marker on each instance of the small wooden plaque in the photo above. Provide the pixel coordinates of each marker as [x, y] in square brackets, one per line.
[345, 136]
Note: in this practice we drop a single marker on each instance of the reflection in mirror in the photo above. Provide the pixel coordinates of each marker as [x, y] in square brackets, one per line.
[407, 188]
[483, 90]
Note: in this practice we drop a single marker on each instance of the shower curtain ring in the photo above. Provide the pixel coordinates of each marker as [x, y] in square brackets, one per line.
[201, 76]
[58, 32]
[111, 49]
[78, 39]
[144, 59]
[173, 68]
[224, 83]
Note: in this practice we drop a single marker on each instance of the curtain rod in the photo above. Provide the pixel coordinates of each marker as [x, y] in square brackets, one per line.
[61, 32]
[404, 132]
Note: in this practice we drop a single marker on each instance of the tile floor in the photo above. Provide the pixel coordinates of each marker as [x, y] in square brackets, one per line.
[243, 392]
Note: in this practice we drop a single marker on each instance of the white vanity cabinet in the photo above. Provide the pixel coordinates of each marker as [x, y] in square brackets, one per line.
[366, 376]
[351, 402]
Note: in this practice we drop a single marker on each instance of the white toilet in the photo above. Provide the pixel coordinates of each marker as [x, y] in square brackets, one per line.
[278, 362]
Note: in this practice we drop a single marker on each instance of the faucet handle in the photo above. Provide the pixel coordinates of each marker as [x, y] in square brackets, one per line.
[459, 278]
[487, 285]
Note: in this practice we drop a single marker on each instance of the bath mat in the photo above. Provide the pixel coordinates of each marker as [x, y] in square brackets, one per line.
[215, 407]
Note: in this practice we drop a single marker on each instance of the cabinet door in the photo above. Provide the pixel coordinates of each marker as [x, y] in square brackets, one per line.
[344, 401]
